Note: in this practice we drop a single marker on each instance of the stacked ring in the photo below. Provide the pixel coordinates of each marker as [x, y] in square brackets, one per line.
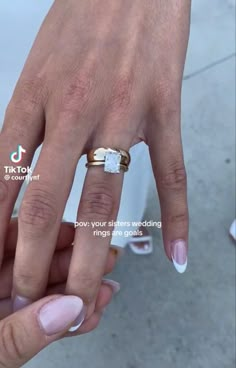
[113, 160]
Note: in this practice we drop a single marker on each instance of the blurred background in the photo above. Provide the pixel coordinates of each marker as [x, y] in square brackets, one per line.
[161, 318]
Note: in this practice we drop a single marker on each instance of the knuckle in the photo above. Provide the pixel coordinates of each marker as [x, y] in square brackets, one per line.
[76, 93]
[175, 178]
[179, 218]
[24, 108]
[167, 100]
[168, 92]
[89, 286]
[29, 281]
[120, 99]
[28, 96]
[38, 210]
[11, 346]
[97, 203]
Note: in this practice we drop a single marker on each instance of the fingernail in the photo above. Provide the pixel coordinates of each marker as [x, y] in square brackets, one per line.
[79, 320]
[20, 302]
[56, 316]
[113, 284]
[179, 255]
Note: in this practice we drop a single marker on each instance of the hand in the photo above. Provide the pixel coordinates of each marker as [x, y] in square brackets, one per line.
[100, 73]
[58, 273]
[24, 333]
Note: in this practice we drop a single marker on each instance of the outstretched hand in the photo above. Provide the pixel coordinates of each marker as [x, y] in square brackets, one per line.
[24, 333]
[100, 74]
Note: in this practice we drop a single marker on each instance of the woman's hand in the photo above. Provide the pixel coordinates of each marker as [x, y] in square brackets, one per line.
[26, 332]
[58, 273]
[100, 74]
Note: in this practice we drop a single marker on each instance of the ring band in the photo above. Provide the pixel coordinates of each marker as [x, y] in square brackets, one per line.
[112, 159]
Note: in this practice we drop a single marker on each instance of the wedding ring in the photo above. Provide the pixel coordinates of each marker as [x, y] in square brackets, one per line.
[113, 159]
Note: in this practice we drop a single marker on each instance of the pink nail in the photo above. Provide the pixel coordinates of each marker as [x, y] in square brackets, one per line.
[20, 302]
[58, 315]
[179, 255]
[113, 284]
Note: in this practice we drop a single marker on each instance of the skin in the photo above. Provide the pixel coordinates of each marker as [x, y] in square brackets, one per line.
[100, 74]
[58, 272]
[20, 335]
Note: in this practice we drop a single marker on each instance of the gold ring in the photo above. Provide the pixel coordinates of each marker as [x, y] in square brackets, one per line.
[113, 159]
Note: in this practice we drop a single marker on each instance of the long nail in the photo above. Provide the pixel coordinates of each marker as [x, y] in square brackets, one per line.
[79, 320]
[56, 316]
[20, 302]
[113, 284]
[179, 255]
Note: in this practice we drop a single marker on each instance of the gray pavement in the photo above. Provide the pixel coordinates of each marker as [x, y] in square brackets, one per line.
[160, 318]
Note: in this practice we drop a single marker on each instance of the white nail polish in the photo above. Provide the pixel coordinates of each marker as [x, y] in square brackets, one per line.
[180, 268]
[79, 320]
[179, 255]
[75, 328]
[232, 230]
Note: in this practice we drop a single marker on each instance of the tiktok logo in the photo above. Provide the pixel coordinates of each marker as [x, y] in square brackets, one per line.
[16, 156]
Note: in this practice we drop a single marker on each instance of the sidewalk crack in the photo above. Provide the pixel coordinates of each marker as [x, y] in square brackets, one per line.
[209, 66]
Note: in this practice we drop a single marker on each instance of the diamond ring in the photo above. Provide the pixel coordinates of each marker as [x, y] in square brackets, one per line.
[113, 159]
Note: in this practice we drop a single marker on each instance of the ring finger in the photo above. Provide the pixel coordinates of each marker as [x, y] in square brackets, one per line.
[98, 207]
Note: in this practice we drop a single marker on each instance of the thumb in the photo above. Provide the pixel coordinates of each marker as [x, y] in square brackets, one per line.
[26, 332]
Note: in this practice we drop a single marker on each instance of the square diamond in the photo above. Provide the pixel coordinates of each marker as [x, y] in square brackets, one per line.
[112, 162]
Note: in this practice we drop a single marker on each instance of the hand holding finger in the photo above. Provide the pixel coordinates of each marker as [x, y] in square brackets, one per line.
[25, 333]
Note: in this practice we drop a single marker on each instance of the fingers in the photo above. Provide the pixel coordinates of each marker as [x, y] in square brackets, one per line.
[22, 125]
[104, 297]
[107, 290]
[25, 333]
[65, 237]
[40, 220]
[61, 263]
[99, 203]
[58, 271]
[90, 324]
[169, 171]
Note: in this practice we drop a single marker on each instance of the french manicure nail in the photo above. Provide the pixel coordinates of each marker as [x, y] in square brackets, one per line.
[79, 320]
[113, 284]
[179, 255]
[56, 316]
[20, 302]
